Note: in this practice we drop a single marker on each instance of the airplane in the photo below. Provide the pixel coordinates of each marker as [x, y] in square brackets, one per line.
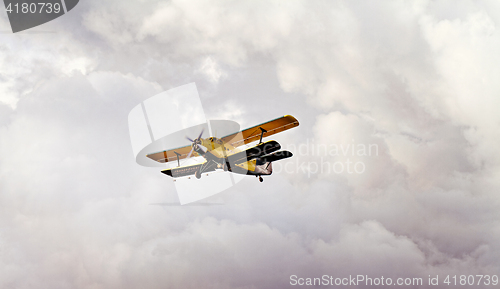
[225, 152]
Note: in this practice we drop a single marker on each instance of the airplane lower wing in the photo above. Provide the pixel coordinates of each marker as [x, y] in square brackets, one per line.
[244, 162]
[190, 170]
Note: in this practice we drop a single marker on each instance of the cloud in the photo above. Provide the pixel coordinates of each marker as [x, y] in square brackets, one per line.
[212, 70]
[414, 79]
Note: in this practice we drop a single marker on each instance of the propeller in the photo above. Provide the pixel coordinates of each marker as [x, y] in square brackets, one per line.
[196, 144]
[198, 138]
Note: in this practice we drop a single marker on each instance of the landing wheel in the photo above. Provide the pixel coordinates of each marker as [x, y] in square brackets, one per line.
[198, 174]
[261, 179]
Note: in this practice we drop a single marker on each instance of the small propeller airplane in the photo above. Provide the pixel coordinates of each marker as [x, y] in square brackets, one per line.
[225, 152]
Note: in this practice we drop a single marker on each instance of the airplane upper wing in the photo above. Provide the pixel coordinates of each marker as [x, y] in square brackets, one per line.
[168, 156]
[253, 134]
[236, 139]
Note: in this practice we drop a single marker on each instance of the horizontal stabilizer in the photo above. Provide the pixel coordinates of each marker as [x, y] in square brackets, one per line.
[275, 156]
[254, 152]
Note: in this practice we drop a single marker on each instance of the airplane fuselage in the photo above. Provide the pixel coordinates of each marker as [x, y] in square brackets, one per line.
[216, 149]
[227, 156]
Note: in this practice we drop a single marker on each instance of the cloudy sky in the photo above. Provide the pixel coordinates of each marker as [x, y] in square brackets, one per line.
[419, 80]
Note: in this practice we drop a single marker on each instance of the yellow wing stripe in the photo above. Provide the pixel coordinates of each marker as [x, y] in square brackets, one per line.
[253, 133]
[168, 156]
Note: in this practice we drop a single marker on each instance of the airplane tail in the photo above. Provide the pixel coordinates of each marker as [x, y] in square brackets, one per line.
[276, 156]
[265, 163]
[270, 168]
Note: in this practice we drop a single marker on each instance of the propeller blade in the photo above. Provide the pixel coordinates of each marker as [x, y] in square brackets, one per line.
[204, 149]
[190, 153]
[199, 137]
[195, 144]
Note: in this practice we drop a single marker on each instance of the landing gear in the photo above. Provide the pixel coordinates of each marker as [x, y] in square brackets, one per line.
[261, 179]
[197, 174]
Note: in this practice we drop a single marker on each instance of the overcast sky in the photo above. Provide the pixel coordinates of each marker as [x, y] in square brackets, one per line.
[419, 80]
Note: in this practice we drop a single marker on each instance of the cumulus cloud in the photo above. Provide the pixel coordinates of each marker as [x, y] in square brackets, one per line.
[415, 80]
